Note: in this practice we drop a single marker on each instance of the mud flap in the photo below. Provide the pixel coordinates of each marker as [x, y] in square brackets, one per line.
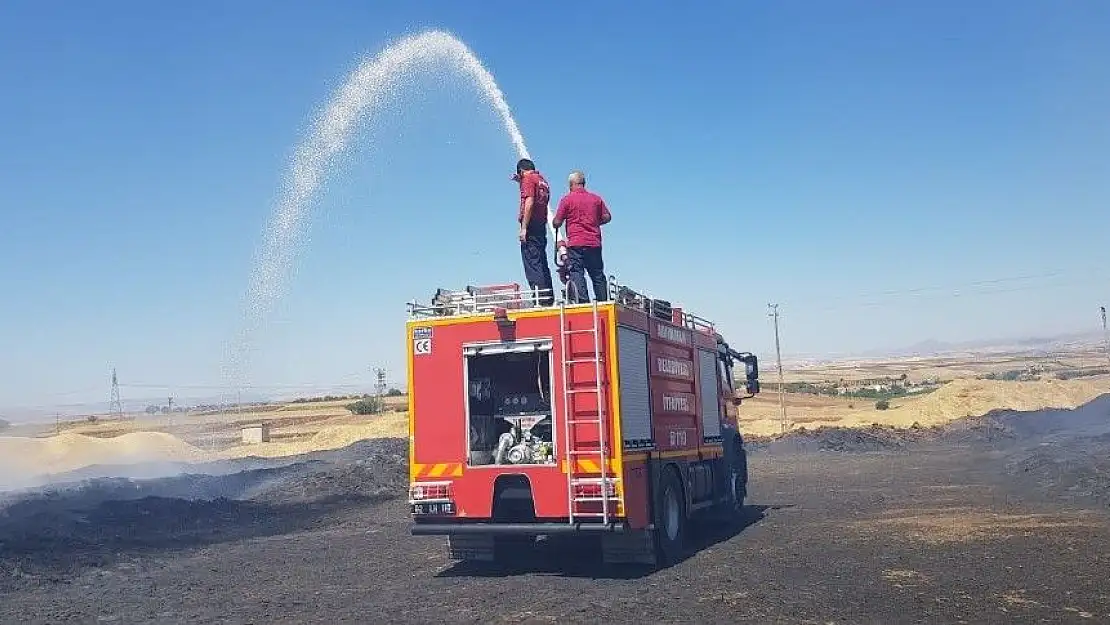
[473, 547]
[635, 547]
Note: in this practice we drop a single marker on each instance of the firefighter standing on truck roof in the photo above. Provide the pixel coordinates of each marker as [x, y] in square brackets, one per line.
[584, 213]
[534, 197]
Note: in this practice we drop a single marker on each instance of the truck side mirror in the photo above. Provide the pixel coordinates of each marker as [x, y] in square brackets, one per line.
[752, 375]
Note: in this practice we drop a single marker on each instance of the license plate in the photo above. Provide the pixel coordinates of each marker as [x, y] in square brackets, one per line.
[439, 508]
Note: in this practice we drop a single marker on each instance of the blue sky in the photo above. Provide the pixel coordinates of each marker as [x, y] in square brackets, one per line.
[887, 172]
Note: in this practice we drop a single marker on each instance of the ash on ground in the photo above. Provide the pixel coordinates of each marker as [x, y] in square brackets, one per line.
[92, 522]
[837, 516]
[1063, 453]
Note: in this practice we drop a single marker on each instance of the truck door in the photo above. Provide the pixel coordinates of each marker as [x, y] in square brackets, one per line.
[734, 472]
[730, 413]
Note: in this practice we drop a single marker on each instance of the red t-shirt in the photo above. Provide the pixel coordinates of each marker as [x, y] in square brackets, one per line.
[583, 212]
[534, 185]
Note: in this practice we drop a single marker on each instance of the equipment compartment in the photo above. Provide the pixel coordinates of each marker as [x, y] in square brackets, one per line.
[509, 404]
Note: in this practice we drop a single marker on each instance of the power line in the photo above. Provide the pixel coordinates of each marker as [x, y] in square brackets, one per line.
[968, 293]
[255, 387]
[974, 283]
[968, 288]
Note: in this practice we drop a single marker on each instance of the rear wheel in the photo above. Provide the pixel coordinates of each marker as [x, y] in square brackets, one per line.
[670, 519]
[513, 549]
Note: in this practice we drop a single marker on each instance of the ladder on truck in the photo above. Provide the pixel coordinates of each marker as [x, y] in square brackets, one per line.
[577, 478]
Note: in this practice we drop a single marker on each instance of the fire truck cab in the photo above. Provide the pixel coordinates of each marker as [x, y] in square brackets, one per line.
[613, 419]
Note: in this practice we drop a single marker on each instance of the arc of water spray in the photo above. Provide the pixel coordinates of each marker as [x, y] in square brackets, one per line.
[370, 85]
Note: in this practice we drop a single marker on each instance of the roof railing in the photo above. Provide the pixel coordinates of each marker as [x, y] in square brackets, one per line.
[486, 299]
[481, 299]
[657, 308]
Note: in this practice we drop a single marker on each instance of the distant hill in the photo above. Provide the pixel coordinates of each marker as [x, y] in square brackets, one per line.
[137, 405]
[131, 405]
[933, 347]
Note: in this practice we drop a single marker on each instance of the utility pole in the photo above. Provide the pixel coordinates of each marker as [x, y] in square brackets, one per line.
[1105, 333]
[778, 356]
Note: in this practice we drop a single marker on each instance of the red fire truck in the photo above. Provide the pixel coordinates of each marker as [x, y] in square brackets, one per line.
[614, 419]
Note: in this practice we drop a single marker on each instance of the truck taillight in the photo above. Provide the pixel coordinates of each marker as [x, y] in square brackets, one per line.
[430, 491]
[431, 499]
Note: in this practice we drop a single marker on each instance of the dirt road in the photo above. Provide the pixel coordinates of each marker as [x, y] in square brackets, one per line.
[998, 524]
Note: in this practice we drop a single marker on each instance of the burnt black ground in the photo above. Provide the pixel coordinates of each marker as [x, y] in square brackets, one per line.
[999, 519]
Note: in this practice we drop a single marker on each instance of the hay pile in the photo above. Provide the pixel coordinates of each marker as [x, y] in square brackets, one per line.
[971, 398]
[23, 458]
[25, 461]
[390, 425]
[956, 400]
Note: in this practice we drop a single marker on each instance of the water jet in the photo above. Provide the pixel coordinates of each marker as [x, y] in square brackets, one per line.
[367, 89]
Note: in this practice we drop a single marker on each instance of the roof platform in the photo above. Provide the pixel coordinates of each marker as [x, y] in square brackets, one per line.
[484, 300]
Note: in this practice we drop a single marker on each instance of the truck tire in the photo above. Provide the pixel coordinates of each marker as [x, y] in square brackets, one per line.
[739, 481]
[513, 550]
[670, 519]
[730, 506]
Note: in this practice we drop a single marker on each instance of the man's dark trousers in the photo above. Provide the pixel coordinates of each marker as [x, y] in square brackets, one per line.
[582, 260]
[533, 252]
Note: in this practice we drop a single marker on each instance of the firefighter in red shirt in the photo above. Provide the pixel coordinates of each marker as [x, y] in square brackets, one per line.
[584, 213]
[532, 216]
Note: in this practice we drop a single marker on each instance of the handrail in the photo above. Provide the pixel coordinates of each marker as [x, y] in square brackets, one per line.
[477, 300]
[626, 296]
[486, 299]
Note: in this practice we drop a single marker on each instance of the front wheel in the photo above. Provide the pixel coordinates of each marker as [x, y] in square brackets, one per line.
[738, 491]
[670, 520]
[734, 483]
[739, 481]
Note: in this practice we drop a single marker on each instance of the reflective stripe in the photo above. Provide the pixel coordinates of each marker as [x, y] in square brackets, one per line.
[441, 469]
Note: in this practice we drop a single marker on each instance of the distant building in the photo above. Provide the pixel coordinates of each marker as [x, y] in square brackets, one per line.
[256, 433]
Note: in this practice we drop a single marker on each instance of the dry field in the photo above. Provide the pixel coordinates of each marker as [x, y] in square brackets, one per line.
[297, 428]
[942, 367]
[957, 399]
[1009, 525]
[1001, 519]
[962, 395]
